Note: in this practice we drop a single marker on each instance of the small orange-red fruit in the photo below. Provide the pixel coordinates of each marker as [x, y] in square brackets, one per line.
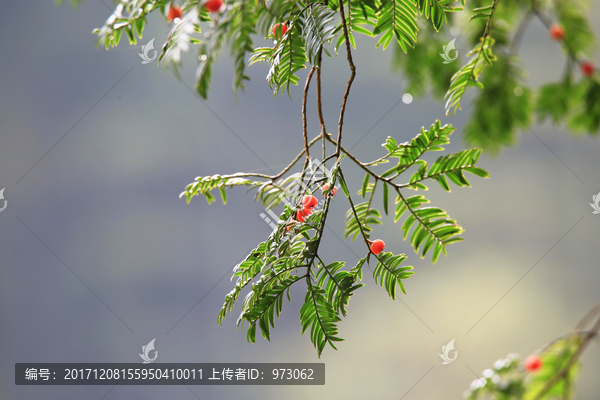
[333, 191]
[174, 12]
[279, 30]
[213, 5]
[309, 202]
[377, 246]
[533, 363]
[557, 32]
[587, 68]
[303, 214]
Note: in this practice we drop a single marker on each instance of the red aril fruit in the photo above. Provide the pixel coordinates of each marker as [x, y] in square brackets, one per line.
[557, 32]
[333, 191]
[279, 30]
[587, 68]
[213, 5]
[174, 12]
[533, 363]
[377, 246]
[309, 202]
[302, 214]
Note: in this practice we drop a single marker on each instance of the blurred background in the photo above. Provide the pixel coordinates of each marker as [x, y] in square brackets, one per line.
[98, 254]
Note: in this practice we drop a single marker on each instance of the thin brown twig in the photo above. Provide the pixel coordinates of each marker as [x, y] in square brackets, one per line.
[575, 332]
[294, 161]
[364, 235]
[490, 24]
[329, 157]
[319, 234]
[272, 177]
[349, 84]
[548, 24]
[535, 8]
[516, 42]
[388, 180]
[306, 162]
[358, 162]
[588, 317]
[319, 101]
[370, 202]
[304, 128]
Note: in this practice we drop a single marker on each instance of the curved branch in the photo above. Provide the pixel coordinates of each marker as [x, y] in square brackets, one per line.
[319, 102]
[320, 229]
[587, 317]
[304, 129]
[516, 42]
[548, 24]
[349, 84]
[356, 160]
[294, 161]
[364, 235]
[379, 177]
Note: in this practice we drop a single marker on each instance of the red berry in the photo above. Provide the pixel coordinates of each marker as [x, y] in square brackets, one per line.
[213, 5]
[377, 246]
[303, 214]
[309, 202]
[279, 30]
[333, 191]
[174, 12]
[587, 68]
[533, 363]
[557, 32]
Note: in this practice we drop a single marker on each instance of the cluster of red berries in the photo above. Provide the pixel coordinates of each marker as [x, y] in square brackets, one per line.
[533, 363]
[310, 202]
[557, 32]
[211, 5]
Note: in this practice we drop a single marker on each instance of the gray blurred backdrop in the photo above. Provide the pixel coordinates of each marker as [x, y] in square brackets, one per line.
[98, 254]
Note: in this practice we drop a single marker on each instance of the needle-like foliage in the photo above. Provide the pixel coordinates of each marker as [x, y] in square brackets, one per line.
[292, 253]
